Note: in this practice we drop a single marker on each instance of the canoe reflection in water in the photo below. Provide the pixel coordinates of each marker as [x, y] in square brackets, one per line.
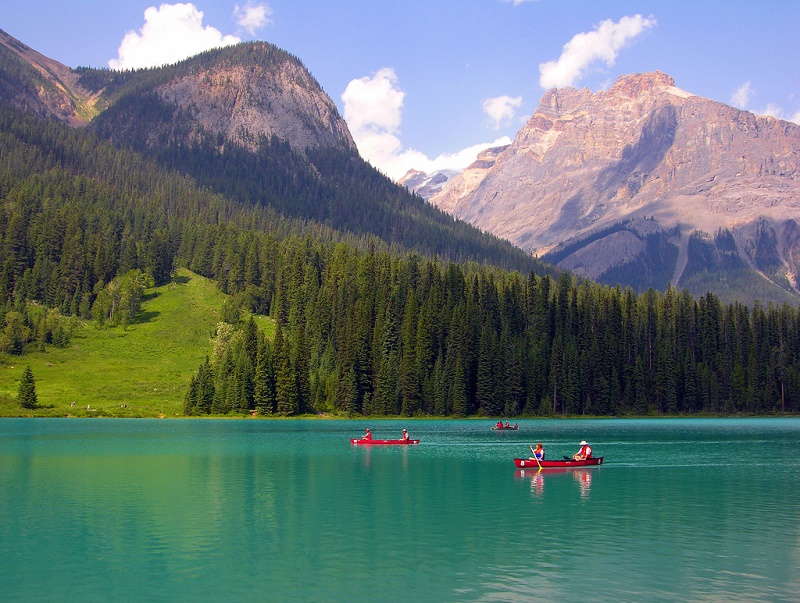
[583, 477]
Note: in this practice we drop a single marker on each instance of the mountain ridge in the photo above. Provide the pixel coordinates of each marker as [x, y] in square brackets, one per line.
[249, 122]
[644, 149]
[58, 92]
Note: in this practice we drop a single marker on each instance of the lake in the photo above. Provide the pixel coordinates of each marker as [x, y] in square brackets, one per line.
[288, 510]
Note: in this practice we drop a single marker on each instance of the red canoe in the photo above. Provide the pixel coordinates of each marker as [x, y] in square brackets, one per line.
[360, 442]
[533, 464]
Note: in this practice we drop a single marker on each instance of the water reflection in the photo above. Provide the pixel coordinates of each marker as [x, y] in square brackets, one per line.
[582, 477]
[214, 510]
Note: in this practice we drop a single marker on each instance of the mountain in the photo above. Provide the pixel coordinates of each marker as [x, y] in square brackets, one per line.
[33, 82]
[424, 184]
[645, 184]
[428, 186]
[248, 122]
[238, 94]
[257, 90]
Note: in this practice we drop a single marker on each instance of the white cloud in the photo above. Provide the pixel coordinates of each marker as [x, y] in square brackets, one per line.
[773, 110]
[373, 108]
[252, 17]
[171, 33]
[777, 112]
[584, 49]
[374, 105]
[742, 95]
[460, 159]
[501, 109]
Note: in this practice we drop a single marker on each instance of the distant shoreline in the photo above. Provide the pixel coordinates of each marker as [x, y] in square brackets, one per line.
[327, 416]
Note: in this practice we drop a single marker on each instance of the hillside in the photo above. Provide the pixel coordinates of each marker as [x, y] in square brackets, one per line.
[141, 370]
[33, 82]
[250, 123]
[646, 184]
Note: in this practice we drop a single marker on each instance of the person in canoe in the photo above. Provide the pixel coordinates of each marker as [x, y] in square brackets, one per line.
[584, 453]
[405, 435]
[538, 452]
[499, 425]
[367, 435]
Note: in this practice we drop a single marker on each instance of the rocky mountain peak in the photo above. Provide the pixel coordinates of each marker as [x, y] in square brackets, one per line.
[586, 163]
[240, 92]
[642, 83]
[254, 89]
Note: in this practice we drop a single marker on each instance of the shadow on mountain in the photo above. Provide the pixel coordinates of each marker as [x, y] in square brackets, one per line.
[569, 215]
[638, 160]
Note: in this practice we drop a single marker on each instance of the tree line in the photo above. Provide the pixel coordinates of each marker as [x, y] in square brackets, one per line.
[366, 332]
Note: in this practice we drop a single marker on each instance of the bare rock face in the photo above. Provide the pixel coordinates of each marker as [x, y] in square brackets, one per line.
[588, 166]
[55, 93]
[245, 100]
[241, 92]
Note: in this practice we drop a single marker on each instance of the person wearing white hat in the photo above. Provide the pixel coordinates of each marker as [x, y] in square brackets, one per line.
[405, 435]
[584, 453]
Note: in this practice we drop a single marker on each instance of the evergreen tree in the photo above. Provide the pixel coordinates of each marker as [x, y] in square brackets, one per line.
[26, 395]
[264, 380]
[205, 388]
[190, 399]
[302, 371]
[286, 392]
[458, 391]
[347, 392]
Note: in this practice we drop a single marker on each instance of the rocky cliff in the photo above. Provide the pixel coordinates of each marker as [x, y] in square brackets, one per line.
[33, 82]
[241, 93]
[621, 185]
[246, 122]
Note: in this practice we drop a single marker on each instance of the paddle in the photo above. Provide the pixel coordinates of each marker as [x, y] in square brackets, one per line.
[534, 456]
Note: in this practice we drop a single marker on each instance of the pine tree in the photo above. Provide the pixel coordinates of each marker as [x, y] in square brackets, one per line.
[302, 371]
[264, 380]
[190, 400]
[205, 388]
[286, 393]
[458, 391]
[347, 392]
[26, 396]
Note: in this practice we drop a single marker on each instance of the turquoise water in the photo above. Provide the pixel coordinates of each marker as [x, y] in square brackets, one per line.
[239, 510]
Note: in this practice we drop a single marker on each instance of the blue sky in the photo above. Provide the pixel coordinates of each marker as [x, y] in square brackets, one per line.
[425, 83]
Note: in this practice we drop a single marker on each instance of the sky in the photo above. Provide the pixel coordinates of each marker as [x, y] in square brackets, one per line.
[426, 84]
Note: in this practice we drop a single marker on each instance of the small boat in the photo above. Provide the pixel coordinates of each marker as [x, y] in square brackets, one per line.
[504, 428]
[564, 464]
[360, 442]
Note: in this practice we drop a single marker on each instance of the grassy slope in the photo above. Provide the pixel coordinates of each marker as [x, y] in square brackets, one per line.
[146, 367]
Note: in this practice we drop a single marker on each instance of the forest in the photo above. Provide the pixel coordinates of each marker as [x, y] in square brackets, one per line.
[368, 333]
[365, 325]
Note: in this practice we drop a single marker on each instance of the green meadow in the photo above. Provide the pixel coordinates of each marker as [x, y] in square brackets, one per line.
[142, 370]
